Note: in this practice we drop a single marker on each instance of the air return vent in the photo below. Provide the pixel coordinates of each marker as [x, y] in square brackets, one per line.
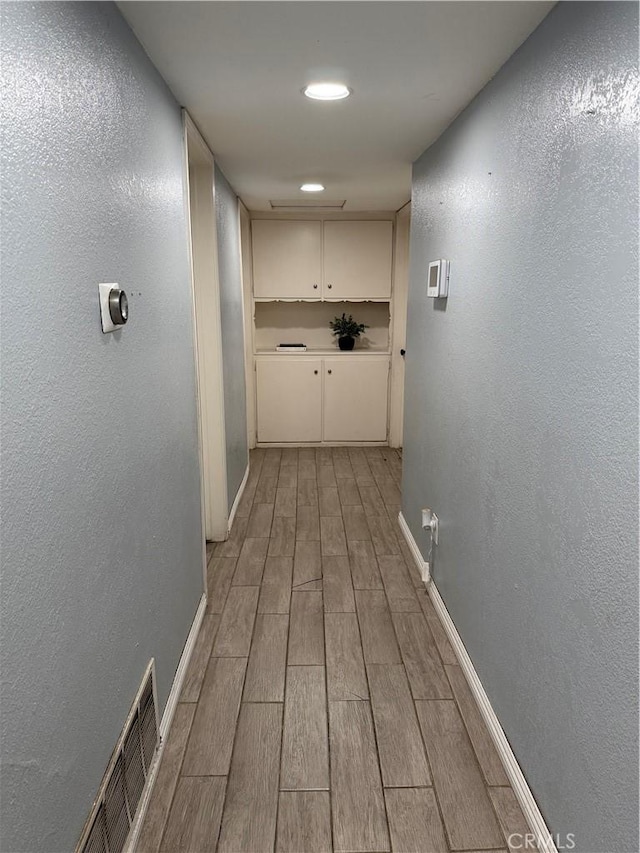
[307, 204]
[115, 808]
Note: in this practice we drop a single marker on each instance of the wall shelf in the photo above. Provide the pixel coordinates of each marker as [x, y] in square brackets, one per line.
[308, 323]
[320, 351]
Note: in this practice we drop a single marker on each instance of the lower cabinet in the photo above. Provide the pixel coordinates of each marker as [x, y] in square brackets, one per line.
[355, 398]
[336, 398]
[289, 399]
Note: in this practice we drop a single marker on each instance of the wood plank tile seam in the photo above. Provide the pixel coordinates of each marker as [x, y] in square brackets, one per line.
[375, 733]
[330, 829]
[440, 826]
[203, 775]
[179, 774]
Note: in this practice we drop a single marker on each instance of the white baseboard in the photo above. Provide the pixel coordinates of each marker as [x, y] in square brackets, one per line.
[165, 724]
[422, 565]
[533, 816]
[238, 497]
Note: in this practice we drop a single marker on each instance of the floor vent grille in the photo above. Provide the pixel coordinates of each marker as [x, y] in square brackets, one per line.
[115, 808]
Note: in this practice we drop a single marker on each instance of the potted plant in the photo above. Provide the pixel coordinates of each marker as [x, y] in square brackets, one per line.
[346, 330]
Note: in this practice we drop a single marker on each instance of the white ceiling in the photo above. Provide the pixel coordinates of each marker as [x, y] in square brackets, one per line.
[238, 67]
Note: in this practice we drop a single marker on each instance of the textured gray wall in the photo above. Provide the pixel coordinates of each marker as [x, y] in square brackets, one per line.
[521, 407]
[230, 272]
[101, 532]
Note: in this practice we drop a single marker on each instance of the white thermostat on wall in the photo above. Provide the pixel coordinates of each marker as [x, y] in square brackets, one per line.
[438, 280]
[114, 307]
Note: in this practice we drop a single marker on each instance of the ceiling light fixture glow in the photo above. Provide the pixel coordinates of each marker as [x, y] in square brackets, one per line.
[312, 188]
[327, 91]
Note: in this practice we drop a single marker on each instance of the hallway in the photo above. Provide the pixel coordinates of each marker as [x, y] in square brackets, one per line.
[320, 675]
[334, 228]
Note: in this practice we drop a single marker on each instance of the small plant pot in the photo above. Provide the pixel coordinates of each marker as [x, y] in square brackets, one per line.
[346, 343]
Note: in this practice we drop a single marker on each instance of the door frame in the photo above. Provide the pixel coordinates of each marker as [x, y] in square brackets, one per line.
[244, 229]
[205, 292]
[399, 323]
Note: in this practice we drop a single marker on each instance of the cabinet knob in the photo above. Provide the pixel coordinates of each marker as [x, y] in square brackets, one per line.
[328, 371]
[315, 286]
[329, 286]
[316, 372]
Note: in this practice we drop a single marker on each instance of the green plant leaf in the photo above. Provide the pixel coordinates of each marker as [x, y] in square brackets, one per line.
[346, 327]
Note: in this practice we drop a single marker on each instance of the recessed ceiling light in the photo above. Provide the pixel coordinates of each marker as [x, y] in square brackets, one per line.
[327, 91]
[312, 188]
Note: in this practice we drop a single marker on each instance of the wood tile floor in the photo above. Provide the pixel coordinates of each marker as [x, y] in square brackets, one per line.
[324, 709]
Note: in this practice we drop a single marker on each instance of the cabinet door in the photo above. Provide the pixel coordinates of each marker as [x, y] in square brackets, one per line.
[289, 399]
[355, 398]
[357, 260]
[287, 259]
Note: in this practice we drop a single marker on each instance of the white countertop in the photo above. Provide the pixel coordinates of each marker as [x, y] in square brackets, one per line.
[324, 351]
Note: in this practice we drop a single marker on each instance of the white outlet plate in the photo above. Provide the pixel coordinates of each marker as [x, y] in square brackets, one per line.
[430, 522]
[105, 317]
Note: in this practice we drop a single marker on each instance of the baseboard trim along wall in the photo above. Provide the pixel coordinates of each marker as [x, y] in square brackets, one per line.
[524, 795]
[421, 564]
[165, 723]
[238, 498]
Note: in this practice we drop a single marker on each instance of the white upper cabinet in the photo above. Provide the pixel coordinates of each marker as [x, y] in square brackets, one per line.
[331, 260]
[357, 260]
[287, 259]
